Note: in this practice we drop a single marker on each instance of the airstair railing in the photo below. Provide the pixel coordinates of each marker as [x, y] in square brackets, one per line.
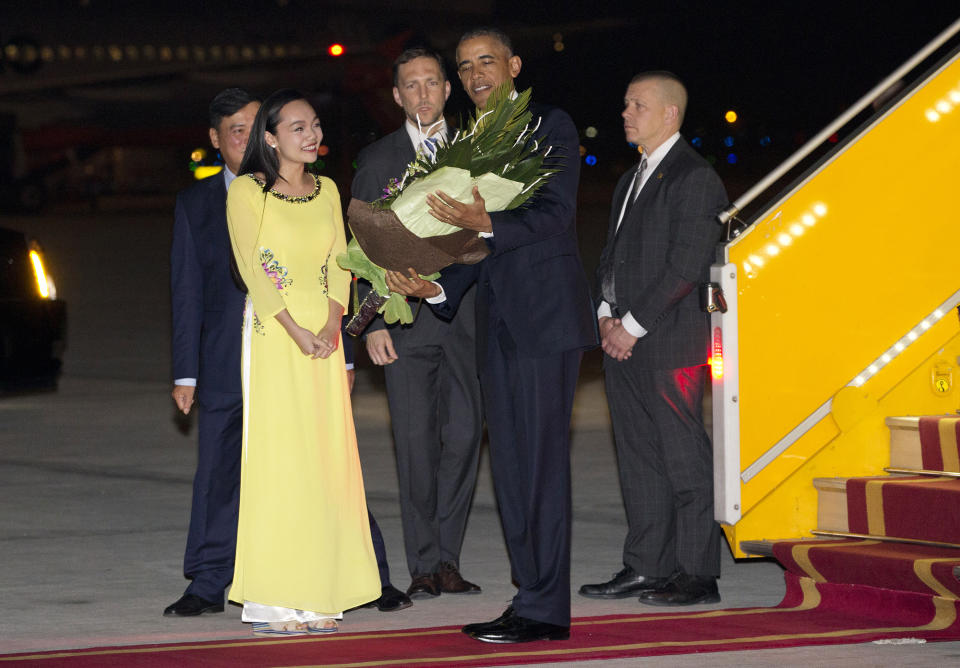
[728, 216]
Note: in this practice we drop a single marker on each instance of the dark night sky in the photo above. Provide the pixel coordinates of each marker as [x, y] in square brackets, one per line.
[788, 68]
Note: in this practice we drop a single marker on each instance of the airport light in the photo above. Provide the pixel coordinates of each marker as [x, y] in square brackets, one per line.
[336, 50]
[43, 284]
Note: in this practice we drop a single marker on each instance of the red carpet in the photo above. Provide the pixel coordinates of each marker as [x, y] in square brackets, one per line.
[916, 568]
[810, 614]
[905, 507]
[940, 443]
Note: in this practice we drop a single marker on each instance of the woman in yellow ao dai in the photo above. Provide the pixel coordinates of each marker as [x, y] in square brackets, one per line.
[304, 552]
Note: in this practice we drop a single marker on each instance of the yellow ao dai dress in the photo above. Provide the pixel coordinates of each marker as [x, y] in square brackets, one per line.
[303, 541]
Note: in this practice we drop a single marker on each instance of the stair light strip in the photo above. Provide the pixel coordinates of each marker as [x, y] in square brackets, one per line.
[793, 231]
[824, 409]
[905, 342]
[944, 105]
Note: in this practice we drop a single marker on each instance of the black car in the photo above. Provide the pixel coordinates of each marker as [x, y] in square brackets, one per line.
[33, 322]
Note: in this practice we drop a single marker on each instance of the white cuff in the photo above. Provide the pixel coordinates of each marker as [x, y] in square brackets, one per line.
[632, 326]
[188, 382]
[349, 366]
[485, 235]
[604, 311]
[439, 299]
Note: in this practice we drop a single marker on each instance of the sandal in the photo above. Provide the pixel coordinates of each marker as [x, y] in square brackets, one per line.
[275, 629]
[323, 626]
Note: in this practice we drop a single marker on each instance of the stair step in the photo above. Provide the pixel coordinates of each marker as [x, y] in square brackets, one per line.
[932, 446]
[923, 569]
[758, 548]
[923, 508]
[905, 442]
[935, 474]
[764, 548]
[831, 504]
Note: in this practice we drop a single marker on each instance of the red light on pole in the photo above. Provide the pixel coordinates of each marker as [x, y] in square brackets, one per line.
[716, 359]
[336, 50]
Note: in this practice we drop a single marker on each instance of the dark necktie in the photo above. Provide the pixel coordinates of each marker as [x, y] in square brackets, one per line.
[607, 283]
[633, 192]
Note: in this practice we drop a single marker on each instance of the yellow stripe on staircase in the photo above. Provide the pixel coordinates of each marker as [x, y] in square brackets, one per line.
[948, 444]
[801, 554]
[923, 568]
[876, 524]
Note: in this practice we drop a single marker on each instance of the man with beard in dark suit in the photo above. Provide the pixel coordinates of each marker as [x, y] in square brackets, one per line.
[534, 319]
[207, 318]
[663, 231]
[430, 365]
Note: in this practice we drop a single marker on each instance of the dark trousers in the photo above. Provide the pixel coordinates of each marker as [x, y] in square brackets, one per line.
[528, 403]
[666, 469]
[212, 537]
[434, 398]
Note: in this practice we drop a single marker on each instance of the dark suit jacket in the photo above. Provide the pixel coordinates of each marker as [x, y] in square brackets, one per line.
[663, 252]
[377, 163]
[207, 306]
[533, 271]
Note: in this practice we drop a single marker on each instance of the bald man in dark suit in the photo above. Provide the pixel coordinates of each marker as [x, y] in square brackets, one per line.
[655, 337]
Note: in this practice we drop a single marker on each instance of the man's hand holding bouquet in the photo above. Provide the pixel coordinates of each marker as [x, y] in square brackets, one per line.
[496, 164]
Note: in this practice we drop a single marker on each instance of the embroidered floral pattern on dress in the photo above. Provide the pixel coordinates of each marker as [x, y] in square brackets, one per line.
[291, 198]
[276, 271]
[257, 325]
[323, 276]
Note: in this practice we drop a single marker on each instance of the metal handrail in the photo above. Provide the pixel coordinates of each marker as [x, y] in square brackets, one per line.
[805, 150]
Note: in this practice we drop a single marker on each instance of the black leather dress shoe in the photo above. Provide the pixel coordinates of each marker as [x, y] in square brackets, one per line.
[424, 586]
[625, 583]
[191, 605]
[451, 582]
[684, 589]
[515, 629]
[480, 627]
[391, 599]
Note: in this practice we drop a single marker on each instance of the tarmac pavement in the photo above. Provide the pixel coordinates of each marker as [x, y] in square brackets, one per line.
[96, 481]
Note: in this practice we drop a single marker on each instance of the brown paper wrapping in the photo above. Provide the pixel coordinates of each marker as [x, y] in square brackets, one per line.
[390, 245]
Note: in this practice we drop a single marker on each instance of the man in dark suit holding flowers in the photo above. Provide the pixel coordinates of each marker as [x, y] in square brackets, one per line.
[534, 319]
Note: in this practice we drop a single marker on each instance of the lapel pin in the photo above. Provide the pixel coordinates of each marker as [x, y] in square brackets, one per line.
[659, 175]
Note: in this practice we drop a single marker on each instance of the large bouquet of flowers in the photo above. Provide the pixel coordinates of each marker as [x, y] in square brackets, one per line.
[499, 153]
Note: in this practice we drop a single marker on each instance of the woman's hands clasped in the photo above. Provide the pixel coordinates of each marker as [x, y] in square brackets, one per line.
[328, 339]
[320, 345]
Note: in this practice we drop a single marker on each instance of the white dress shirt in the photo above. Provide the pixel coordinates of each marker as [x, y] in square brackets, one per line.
[653, 161]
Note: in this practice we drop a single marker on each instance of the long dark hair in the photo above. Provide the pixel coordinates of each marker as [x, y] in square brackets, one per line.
[259, 157]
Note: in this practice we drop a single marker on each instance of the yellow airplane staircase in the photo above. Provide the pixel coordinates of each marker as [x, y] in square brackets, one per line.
[842, 300]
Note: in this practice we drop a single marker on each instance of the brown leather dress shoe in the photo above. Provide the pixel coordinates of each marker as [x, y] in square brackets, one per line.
[451, 582]
[424, 586]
